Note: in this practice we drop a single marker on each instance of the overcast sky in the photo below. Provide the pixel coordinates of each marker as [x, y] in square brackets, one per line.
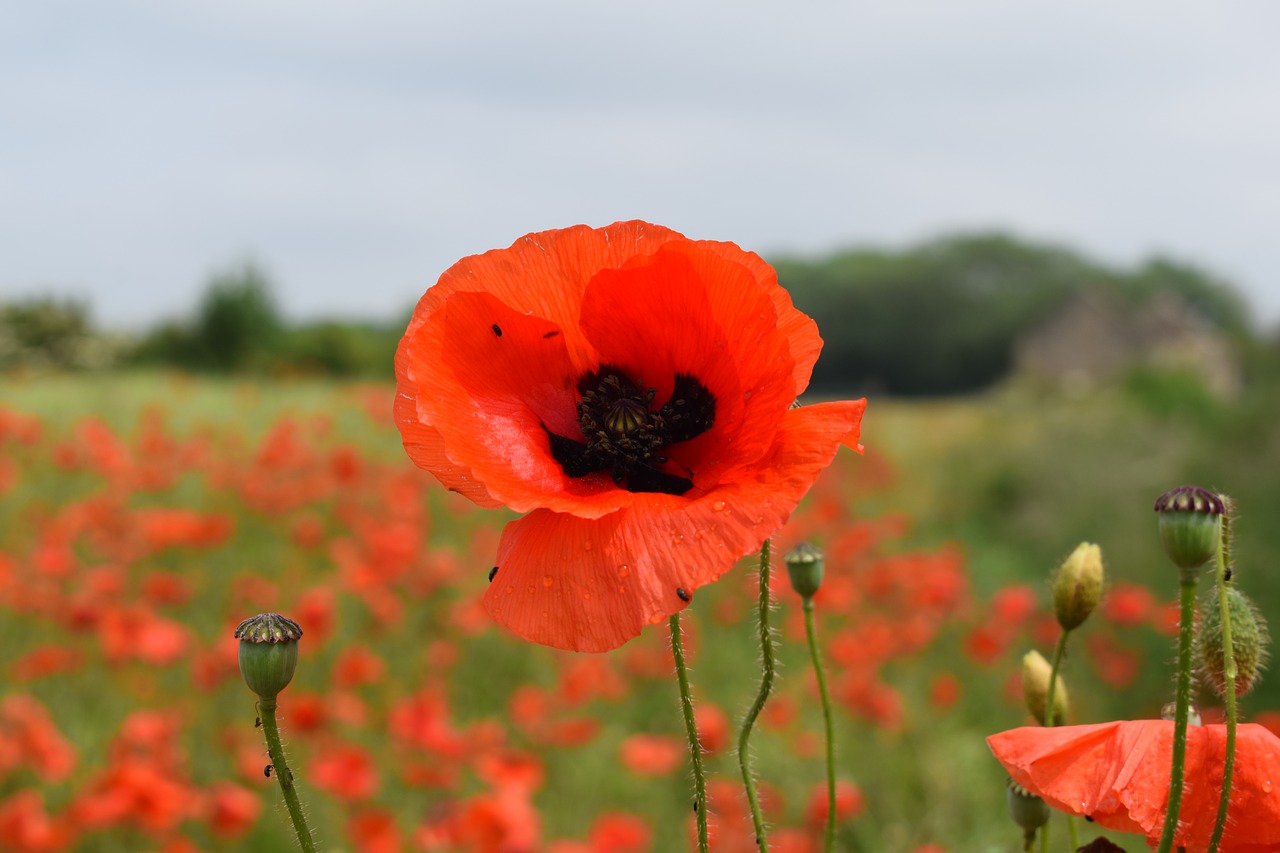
[357, 149]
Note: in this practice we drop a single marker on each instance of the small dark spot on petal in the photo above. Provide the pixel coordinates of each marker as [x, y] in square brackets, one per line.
[497, 330]
[493, 573]
[684, 596]
[552, 333]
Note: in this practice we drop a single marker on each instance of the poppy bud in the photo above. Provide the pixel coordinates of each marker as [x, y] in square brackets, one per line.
[268, 652]
[1035, 689]
[1077, 586]
[1027, 810]
[804, 567]
[1190, 525]
[1249, 640]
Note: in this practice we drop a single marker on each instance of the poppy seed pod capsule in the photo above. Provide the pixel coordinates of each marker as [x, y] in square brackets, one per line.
[268, 652]
[1028, 811]
[804, 568]
[1035, 689]
[1077, 586]
[1190, 525]
[1249, 641]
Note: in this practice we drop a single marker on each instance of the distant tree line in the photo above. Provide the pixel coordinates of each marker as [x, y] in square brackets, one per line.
[940, 317]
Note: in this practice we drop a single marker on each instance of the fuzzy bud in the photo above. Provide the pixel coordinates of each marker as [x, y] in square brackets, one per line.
[1077, 586]
[1249, 641]
[1027, 810]
[1035, 689]
[804, 567]
[1190, 525]
[268, 652]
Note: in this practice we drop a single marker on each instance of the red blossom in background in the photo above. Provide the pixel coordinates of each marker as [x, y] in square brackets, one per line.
[629, 390]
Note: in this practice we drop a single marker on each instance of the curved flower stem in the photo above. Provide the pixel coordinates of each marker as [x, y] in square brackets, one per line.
[267, 713]
[816, 655]
[1050, 720]
[1186, 627]
[1229, 676]
[691, 729]
[766, 685]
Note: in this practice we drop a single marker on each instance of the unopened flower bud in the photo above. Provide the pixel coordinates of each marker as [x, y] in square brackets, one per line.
[1077, 586]
[1035, 689]
[1190, 525]
[1027, 810]
[268, 652]
[804, 567]
[1249, 641]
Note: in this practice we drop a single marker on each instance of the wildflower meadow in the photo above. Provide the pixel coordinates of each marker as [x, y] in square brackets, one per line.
[448, 696]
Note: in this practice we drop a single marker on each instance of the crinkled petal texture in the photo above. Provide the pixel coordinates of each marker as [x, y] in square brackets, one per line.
[489, 366]
[1118, 774]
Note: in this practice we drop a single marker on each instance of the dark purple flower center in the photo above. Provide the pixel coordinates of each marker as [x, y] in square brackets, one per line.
[623, 434]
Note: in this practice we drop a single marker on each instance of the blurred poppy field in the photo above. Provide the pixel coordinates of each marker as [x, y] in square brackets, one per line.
[142, 516]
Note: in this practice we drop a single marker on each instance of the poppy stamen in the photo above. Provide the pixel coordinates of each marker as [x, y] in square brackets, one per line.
[623, 433]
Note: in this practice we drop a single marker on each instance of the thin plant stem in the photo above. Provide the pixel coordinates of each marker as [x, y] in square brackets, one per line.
[766, 685]
[1229, 676]
[1059, 652]
[816, 655]
[691, 729]
[1044, 838]
[267, 713]
[1186, 627]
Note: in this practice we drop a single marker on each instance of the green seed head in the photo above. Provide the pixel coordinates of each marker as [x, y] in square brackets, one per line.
[1035, 689]
[1077, 586]
[268, 652]
[804, 567]
[1190, 525]
[1249, 641]
[1027, 810]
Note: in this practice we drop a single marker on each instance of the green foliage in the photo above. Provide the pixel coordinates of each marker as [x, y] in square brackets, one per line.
[49, 333]
[945, 316]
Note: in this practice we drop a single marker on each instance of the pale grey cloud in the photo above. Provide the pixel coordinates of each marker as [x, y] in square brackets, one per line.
[359, 148]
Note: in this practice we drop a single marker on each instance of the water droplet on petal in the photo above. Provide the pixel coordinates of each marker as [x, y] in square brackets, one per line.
[718, 506]
[586, 546]
[547, 580]
[677, 538]
[586, 596]
[622, 589]
[657, 617]
[509, 590]
[624, 570]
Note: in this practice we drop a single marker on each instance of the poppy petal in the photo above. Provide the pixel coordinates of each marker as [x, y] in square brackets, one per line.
[1118, 774]
[606, 578]
[426, 447]
[679, 311]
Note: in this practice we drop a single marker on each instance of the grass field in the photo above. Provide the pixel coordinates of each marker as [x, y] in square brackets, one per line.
[143, 515]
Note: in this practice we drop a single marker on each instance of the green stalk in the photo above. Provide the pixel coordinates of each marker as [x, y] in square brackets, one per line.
[267, 713]
[1186, 627]
[816, 655]
[766, 685]
[1059, 652]
[1229, 673]
[691, 729]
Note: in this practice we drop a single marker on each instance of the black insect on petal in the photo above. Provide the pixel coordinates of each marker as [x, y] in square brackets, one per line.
[493, 573]
[497, 330]
[257, 722]
[684, 596]
[551, 334]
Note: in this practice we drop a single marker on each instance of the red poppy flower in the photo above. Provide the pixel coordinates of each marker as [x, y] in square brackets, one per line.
[630, 390]
[1118, 774]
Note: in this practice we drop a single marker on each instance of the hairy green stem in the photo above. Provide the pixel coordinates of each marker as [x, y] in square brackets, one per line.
[1186, 628]
[1050, 717]
[766, 685]
[1229, 677]
[816, 655]
[691, 729]
[267, 714]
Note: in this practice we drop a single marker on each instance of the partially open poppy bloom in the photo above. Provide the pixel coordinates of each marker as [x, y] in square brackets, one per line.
[1118, 774]
[630, 390]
